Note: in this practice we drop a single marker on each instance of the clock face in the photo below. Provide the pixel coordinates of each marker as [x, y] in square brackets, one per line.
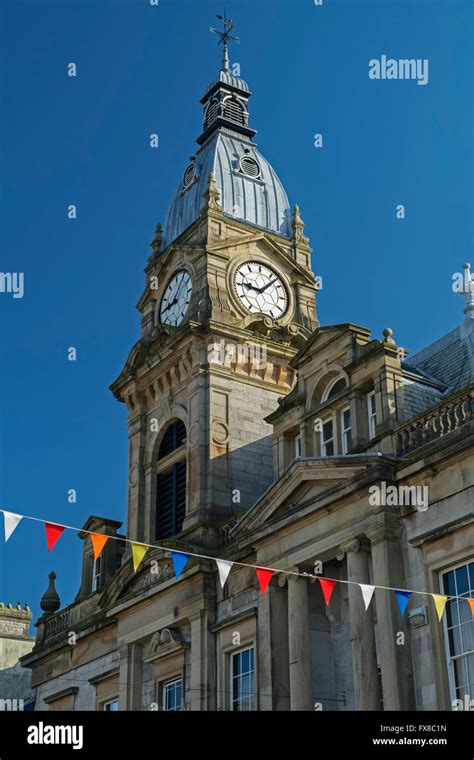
[176, 298]
[260, 290]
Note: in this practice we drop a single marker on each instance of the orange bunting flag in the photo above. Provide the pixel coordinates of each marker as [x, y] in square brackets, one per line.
[264, 578]
[440, 604]
[98, 542]
[328, 588]
[53, 532]
[470, 602]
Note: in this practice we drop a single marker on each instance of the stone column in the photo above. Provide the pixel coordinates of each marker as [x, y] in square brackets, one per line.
[397, 678]
[203, 677]
[299, 643]
[130, 677]
[364, 655]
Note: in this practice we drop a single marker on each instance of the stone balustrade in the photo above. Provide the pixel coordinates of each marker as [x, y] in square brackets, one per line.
[446, 417]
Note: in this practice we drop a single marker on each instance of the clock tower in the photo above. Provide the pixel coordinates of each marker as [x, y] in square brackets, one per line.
[229, 300]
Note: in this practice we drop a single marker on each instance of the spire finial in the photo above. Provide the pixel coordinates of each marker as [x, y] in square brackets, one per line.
[468, 292]
[224, 37]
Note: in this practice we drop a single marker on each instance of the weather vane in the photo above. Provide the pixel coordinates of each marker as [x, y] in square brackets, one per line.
[225, 36]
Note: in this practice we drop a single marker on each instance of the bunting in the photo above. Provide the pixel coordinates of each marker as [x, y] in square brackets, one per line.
[440, 604]
[224, 568]
[367, 594]
[327, 587]
[53, 532]
[138, 552]
[179, 562]
[98, 542]
[264, 574]
[264, 577]
[11, 521]
[402, 599]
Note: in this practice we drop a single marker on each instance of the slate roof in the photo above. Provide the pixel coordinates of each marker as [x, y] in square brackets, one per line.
[449, 360]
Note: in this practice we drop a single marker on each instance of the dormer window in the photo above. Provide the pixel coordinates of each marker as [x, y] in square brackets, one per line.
[96, 569]
[249, 167]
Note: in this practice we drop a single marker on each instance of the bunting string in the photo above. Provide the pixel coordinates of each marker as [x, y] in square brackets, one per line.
[224, 566]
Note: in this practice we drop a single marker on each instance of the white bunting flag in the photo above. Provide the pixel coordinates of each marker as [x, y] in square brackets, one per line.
[11, 521]
[224, 569]
[367, 593]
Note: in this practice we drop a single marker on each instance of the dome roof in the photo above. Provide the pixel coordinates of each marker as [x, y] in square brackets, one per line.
[226, 78]
[249, 187]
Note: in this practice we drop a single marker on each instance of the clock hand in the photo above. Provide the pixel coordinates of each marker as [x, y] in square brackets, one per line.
[250, 287]
[171, 304]
[268, 285]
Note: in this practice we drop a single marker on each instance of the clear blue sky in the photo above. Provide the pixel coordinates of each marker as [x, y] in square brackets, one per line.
[142, 69]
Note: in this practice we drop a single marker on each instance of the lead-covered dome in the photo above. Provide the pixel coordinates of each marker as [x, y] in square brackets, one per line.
[248, 185]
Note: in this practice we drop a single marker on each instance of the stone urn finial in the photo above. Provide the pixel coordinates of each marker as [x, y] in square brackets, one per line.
[50, 601]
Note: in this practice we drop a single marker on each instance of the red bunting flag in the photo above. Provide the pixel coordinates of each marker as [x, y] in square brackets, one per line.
[53, 532]
[327, 587]
[264, 578]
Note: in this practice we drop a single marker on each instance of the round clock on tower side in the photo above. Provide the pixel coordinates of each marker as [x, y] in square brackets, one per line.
[176, 298]
[260, 289]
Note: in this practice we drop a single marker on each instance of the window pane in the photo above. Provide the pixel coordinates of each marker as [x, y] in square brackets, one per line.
[462, 580]
[449, 584]
[452, 615]
[329, 449]
[347, 419]
[327, 430]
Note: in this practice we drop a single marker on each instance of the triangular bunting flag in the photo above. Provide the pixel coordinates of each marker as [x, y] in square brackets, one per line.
[224, 569]
[53, 532]
[402, 599]
[367, 593]
[328, 588]
[138, 552]
[179, 562]
[440, 604]
[11, 521]
[471, 604]
[264, 578]
[98, 542]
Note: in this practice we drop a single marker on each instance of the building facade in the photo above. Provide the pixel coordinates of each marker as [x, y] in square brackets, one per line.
[258, 436]
[15, 641]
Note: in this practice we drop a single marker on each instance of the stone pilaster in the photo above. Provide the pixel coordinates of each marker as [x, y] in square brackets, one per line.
[130, 693]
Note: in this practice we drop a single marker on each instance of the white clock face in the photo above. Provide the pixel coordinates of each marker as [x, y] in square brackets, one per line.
[176, 298]
[260, 290]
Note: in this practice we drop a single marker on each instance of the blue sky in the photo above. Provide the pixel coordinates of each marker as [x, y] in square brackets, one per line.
[85, 140]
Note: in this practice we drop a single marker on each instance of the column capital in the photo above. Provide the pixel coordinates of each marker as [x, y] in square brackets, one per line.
[355, 545]
[284, 578]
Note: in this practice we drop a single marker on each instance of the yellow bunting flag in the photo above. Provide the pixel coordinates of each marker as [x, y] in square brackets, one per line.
[138, 552]
[470, 602]
[98, 542]
[440, 604]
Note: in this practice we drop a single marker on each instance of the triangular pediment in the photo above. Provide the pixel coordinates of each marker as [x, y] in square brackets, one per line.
[308, 484]
[265, 244]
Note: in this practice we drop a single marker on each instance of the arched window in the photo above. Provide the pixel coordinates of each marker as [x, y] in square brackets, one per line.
[234, 110]
[212, 112]
[337, 385]
[171, 482]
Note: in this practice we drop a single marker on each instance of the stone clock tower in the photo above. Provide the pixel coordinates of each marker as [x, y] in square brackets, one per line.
[229, 300]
